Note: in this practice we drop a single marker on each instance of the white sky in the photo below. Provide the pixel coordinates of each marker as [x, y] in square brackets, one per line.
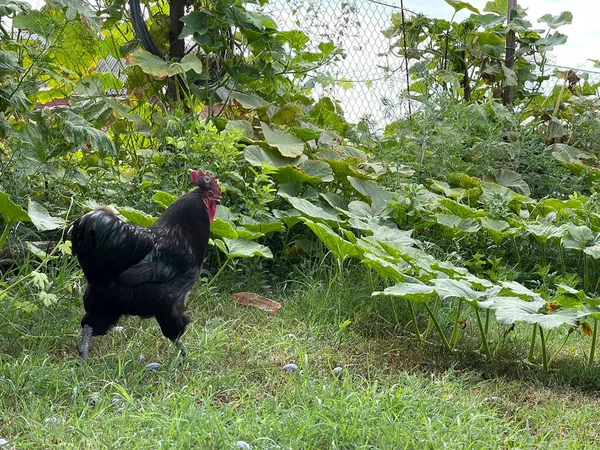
[583, 34]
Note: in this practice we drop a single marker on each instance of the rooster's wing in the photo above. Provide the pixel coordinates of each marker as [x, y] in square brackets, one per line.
[106, 246]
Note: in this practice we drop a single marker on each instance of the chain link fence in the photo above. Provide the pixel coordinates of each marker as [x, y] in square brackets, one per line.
[372, 77]
[370, 80]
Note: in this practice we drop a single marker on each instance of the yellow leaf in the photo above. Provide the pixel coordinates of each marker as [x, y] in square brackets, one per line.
[127, 175]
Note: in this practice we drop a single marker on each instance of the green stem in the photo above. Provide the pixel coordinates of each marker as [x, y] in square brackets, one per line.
[544, 353]
[5, 234]
[393, 306]
[585, 272]
[371, 284]
[501, 341]
[209, 284]
[561, 257]
[438, 328]
[487, 321]
[561, 346]
[484, 343]
[4, 32]
[530, 357]
[430, 321]
[593, 348]
[456, 330]
[338, 277]
[332, 279]
[516, 249]
[414, 321]
[559, 99]
[487, 327]
[543, 255]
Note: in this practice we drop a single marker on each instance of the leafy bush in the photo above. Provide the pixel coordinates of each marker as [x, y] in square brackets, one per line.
[459, 211]
[480, 140]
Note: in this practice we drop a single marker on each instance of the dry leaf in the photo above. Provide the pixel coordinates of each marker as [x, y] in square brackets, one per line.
[587, 329]
[257, 301]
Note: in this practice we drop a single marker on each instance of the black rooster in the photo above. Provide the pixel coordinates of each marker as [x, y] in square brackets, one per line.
[145, 272]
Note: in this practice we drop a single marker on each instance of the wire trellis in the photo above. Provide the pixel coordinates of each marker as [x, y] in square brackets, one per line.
[371, 82]
[379, 77]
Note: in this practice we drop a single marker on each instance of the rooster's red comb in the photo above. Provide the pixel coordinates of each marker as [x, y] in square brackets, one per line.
[205, 180]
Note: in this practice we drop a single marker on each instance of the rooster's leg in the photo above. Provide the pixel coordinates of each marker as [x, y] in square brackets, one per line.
[179, 345]
[83, 343]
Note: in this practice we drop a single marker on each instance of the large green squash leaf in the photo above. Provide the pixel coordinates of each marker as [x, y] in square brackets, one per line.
[564, 18]
[336, 201]
[494, 193]
[10, 7]
[448, 288]
[577, 237]
[163, 198]
[458, 6]
[223, 229]
[77, 128]
[327, 115]
[498, 229]
[509, 310]
[384, 268]
[287, 144]
[243, 248]
[410, 291]
[42, 220]
[257, 156]
[593, 251]
[138, 217]
[247, 101]
[11, 212]
[575, 159]
[456, 223]
[286, 114]
[318, 169]
[560, 207]
[513, 288]
[448, 191]
[290, 174]
[509, 179]
[543, 232]
[243, 125]
[9, 63]
[379, 197]
[308, 209]
[340, 247]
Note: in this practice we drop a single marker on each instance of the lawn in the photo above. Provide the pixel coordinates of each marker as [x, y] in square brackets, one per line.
[231, 389]
[438, 270]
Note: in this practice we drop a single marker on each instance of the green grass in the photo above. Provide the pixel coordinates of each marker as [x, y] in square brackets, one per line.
[392, 392]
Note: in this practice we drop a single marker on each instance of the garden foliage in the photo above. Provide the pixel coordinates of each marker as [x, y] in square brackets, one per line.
[488, 210]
